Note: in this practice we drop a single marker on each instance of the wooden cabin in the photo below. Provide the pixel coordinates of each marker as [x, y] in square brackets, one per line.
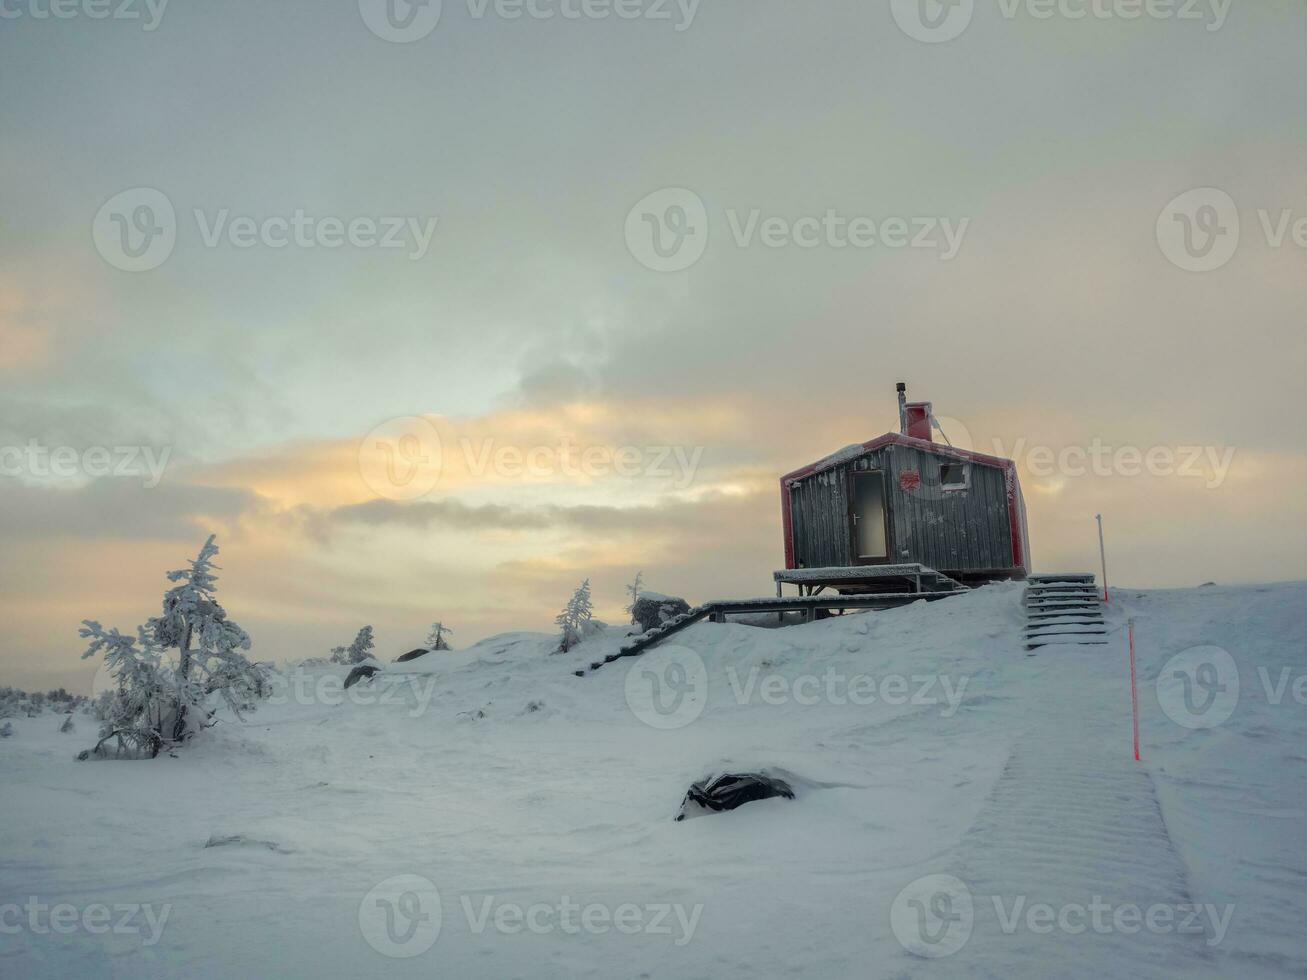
[903, 513]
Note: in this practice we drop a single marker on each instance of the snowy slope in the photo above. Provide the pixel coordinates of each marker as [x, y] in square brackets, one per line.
[923, 742]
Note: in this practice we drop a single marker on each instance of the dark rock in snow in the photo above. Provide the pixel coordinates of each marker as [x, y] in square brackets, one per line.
[363, 672]
[240, 840]
[652, 610]
[412, 655]
[730, 790]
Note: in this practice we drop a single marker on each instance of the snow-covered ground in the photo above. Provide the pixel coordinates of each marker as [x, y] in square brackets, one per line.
[963, 808]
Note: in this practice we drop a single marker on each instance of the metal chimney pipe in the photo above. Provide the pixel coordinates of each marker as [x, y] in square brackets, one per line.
[903, 407]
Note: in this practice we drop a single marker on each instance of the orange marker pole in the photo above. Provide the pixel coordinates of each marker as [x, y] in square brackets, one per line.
[1102, 554]
[1134, 690]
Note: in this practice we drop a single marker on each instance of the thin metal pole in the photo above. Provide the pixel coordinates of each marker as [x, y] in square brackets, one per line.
[1134, 690]
[1102, 552]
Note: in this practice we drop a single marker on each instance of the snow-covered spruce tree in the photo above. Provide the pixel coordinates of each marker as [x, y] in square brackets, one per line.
[340, 655]
[634, 590]
[436, 638]
[158, 702]
[142, 713]
[361, 648]
[573, 618]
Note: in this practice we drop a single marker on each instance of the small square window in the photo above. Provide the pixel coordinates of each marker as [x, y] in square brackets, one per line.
[953, 476]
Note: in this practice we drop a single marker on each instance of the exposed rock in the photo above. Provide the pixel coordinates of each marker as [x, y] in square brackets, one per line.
[652, 610]
[363, 672]
[730, 790]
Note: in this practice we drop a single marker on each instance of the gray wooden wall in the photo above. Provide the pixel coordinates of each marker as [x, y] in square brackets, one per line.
[960, 530]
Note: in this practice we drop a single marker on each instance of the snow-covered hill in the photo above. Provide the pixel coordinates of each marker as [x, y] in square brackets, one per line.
[963, 808]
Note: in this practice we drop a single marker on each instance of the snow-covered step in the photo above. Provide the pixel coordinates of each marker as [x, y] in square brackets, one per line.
[1063, 611]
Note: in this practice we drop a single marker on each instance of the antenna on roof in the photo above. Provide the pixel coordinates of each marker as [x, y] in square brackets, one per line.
[934, 424]
[902, 389]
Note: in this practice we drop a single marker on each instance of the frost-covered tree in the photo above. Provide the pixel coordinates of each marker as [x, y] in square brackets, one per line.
[356, 652]
[436, 638]
[634, 590]
[573, 618]
[159, 701]
[144, 711]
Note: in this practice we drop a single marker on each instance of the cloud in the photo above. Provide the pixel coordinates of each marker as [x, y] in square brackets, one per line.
[120, 509]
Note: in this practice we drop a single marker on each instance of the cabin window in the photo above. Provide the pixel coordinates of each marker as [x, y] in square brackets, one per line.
[953, 476]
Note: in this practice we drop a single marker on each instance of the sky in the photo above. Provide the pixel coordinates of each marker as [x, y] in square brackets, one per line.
[431, 312]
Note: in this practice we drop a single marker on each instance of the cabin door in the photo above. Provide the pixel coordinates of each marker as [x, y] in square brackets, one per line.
[869, 517]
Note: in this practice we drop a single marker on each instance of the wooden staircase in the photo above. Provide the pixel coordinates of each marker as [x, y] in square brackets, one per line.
[1063, 610]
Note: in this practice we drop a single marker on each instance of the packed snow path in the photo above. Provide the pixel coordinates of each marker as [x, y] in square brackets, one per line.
[1074, 825]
